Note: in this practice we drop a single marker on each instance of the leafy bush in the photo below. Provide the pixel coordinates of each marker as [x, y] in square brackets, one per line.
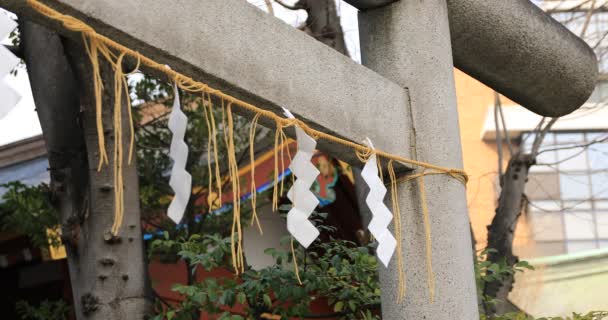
[593, 315]
[488, 272]
[28, 210]
[340, 271]
[47, 310]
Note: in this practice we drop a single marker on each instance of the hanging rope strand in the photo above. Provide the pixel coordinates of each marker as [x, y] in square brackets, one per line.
[118, 146]
[275, 189]
[236, 196]
[398, 226]
[252, 136]
[295, 262]
[427, 236]
[209, 171]
[91, 50]
[427, 225]
[218, 178]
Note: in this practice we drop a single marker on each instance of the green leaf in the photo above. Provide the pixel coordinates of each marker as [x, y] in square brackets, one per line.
[322, 214]
[241, 297]
[170, 314]
[338, 306]
[352, 305]
[200, 297]
[225, 316]
[525, 264]
[267, 301]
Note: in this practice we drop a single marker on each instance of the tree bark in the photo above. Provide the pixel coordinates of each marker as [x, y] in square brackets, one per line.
[55, 90]
[108, 277]
[502, 229]
[323, 22]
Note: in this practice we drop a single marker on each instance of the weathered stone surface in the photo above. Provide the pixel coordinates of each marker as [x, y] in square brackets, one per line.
[523, 53]
[409, 43]
[520, 51]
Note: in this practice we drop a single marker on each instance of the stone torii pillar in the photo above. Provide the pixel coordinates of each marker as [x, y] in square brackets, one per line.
[409, 43]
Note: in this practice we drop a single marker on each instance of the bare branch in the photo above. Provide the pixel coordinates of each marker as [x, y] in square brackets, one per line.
[562, 208]
[155, 119]
[538, 140]
[585, 145]
[498, 143]
[587, 19]
[597, 44]
[269, 7]
[503, 122]
[563, 8]
[296, 6]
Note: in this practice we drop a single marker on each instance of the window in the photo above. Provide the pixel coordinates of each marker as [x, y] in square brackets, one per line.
[568, 193]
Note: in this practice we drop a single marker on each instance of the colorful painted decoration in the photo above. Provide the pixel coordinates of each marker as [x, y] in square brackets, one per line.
[8, 61]
[381, 215]
[181, 180]
[324, 185]
[304, 201]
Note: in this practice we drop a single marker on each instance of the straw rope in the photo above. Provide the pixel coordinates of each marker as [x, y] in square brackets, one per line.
[97, 44]
[398, 228]
[192, 85]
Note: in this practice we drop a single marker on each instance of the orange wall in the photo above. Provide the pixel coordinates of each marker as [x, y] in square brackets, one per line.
[480, 158]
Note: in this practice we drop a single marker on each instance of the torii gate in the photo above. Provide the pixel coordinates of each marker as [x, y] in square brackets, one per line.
[403, 97]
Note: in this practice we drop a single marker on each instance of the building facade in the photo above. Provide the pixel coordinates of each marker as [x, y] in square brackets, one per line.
[563, 230]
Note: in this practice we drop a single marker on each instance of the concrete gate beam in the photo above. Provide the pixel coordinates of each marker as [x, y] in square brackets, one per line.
[520, 51]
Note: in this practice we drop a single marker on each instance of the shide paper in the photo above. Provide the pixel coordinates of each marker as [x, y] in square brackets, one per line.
[8, 61]
[181, 181]
[381, 215]
[304, 201]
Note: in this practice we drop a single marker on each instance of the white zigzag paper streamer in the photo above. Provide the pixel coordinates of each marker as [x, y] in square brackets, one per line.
[304, 201]
[381, 215]
[8, 61]
[181, 180]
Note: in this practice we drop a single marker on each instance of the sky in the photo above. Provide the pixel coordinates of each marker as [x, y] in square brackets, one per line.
[22, 121]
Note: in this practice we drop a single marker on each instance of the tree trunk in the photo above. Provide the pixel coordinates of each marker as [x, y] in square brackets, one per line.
[108, 277]
[502, 228]
[323, 23]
